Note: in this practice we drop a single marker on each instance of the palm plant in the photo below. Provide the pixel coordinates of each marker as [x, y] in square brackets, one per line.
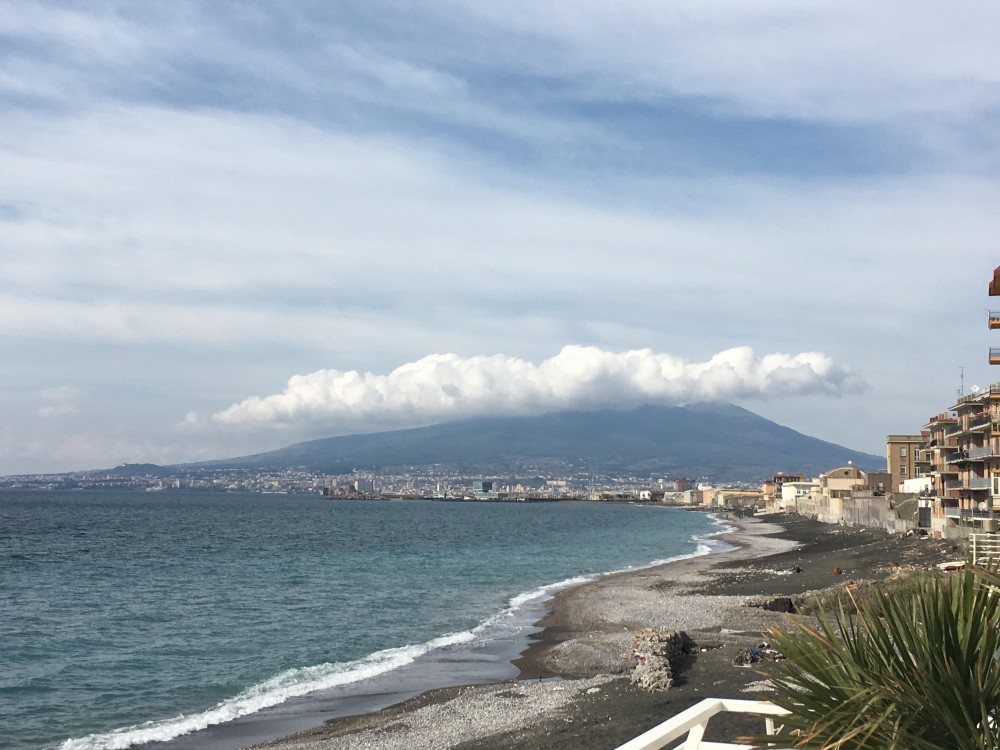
[908, 668]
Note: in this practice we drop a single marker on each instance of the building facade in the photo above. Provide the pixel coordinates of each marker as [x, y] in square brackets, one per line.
[906, 458]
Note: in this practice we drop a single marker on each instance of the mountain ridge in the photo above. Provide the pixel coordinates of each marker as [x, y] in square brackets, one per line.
[724, 442]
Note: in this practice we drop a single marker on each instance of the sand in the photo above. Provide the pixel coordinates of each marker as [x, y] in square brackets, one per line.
[574, 692]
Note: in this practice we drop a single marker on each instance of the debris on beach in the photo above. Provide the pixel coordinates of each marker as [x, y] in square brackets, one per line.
[760, 686]
[772, 603]
[762, 652]
[649, 658]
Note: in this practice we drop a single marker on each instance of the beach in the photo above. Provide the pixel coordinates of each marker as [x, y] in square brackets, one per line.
[573, 691]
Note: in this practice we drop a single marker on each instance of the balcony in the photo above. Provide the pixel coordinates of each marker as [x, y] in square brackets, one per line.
[980, 420]
[974, 399]
[994, 355]
[954, 484]
[986, 451]
[979, 483]
[994, 319]
[963, 456]
[952, 511]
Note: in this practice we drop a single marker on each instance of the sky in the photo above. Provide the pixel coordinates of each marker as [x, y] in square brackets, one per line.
[226, 227]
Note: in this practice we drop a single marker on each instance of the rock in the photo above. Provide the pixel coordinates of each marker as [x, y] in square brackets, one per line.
[772, 604]
[650, 656]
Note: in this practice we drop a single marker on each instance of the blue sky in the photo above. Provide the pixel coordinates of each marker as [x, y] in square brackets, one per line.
[225, 227]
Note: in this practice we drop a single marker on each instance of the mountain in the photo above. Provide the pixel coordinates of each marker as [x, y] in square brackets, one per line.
[720, 441]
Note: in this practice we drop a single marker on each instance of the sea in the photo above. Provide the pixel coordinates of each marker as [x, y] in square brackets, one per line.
[181, 619]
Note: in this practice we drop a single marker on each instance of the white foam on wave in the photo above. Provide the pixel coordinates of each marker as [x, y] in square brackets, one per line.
[292, 683]
[543, 592]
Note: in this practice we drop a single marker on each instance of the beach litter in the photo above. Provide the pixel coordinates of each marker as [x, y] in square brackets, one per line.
[762, 652]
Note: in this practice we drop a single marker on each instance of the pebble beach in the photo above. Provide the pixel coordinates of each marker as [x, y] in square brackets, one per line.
[574, 691]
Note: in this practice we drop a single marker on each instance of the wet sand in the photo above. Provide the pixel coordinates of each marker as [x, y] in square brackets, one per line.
[574, 692]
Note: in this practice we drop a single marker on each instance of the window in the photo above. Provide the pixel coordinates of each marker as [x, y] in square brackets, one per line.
[902, 469]
[902, 452]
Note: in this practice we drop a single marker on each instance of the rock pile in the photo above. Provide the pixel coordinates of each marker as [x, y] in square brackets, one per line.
[649, 659]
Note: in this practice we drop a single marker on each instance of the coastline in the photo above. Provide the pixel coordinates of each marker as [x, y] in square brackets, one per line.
[572, 690]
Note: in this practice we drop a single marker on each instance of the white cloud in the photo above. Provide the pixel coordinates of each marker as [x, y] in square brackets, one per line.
[446, 386]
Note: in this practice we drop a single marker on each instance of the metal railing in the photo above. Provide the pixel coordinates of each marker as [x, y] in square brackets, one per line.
[979, 421]
[979, 483]
[985, 451]
[972, 514]
[985, 547]
[692, 722]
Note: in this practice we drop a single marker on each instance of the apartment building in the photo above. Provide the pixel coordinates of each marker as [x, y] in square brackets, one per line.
[906, 458]
[964, 447]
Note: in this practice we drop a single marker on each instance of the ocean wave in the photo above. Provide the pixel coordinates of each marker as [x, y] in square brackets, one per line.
[295, 683]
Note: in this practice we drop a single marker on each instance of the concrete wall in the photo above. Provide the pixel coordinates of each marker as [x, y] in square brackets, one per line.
[894, 512]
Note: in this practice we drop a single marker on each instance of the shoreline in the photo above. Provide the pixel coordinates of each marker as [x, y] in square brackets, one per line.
[573, 691]
[486, 658]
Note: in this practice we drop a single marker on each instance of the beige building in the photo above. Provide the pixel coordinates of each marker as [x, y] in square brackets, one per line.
[964, 447]
[793, 492]
[906, 458]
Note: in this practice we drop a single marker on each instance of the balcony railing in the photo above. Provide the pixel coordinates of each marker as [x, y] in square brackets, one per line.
[994, 355]
[985, 451]
[959, 458]
[974, 514]
[994, 319]
[954, 484]
[979, 483]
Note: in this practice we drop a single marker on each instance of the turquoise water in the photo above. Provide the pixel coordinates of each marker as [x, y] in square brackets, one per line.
[132, 617]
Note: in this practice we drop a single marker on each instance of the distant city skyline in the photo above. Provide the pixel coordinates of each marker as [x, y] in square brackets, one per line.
[228, 228]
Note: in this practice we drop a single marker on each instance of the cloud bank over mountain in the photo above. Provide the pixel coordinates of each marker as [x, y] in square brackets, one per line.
[446, 386]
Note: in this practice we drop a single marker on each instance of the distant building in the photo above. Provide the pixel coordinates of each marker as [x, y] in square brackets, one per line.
[482, 489]
[792, 492]
[842, 481]
[903, 454]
